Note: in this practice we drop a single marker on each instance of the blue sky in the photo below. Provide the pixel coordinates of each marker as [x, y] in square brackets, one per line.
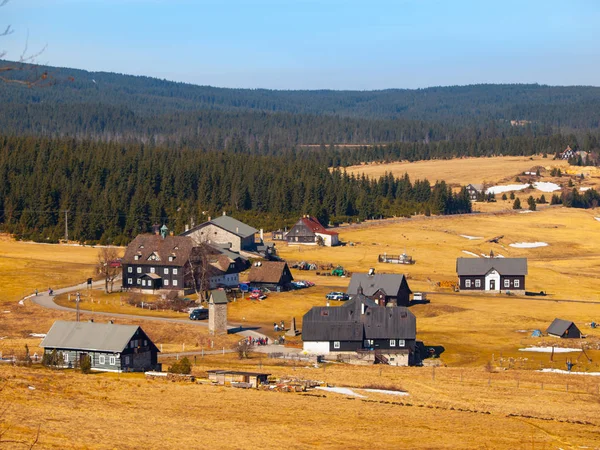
[306, 44]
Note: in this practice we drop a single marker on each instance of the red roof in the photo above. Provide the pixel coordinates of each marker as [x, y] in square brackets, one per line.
[315, 226]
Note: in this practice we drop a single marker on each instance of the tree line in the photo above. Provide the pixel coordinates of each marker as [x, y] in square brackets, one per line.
[112, 192]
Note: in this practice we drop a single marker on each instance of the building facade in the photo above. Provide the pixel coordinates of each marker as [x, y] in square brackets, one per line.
[225, 230]
[309, 231]
[384, 289]
[491, 274]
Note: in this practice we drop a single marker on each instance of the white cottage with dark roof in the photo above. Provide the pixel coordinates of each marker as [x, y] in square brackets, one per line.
[491, 274]
[110, 347]
[225, 230]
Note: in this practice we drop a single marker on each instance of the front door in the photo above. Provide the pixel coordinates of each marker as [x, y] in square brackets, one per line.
[492, 285]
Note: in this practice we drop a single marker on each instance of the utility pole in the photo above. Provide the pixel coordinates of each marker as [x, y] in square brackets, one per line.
[66, 226]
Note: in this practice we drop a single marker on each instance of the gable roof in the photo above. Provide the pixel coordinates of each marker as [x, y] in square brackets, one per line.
[268, 272]
[559, 327]
[107, 337]
[476, 186]
[314, 226]
[145, 245]
[218, 297]
[481, 266]
[234, 226]
[348, 323]
[388, 282]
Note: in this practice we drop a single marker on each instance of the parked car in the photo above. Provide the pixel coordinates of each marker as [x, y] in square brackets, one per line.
[337, 296]
[199, 314]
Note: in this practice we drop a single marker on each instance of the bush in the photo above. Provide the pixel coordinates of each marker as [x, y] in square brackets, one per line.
[512, 195]
[85, 364]
[531, 203]
[183, 366]
[504, 197]
[243, 349]
[517, 204]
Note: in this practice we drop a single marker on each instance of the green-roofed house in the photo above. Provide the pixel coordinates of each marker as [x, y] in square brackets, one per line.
[111, 347]
[225, 230]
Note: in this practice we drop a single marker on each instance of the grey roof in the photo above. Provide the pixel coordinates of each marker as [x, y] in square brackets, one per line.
[559, 327]
[106, 337]
[218, 297]
[481, 266]
[389, 282]
[234, 226]
[348, 323]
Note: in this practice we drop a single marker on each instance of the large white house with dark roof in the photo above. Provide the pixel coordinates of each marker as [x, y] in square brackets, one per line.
[225, 230]
[110, 347]
[491, 274]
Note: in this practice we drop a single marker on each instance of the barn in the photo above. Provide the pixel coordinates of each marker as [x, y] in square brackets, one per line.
[273, 275]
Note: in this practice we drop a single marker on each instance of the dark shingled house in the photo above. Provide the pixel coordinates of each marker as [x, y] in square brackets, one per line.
[383, 288]
[563, 329]
[491, 274]
[111, 347]
[273, 275]
[361, 325]
[309, 231]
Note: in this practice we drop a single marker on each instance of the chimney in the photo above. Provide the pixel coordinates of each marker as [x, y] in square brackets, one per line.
[371, 271]
[187, 227]
[170, 233]
[224, 213]
[261, 235]
[209, 218]
[237, 230]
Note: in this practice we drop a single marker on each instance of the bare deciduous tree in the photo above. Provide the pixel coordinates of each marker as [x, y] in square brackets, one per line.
[107, 266]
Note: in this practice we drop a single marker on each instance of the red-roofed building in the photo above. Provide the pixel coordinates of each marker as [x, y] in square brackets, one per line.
[309, 231]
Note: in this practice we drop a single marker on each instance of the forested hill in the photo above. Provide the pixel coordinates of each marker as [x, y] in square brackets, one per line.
[114, 107]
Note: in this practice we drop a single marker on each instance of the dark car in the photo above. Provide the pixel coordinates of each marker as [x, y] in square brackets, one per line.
[199, 314]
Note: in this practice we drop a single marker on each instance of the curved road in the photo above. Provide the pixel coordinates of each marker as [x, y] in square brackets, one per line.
[44, 300]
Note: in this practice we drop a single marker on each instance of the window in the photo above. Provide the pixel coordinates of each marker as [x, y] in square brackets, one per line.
[516, 283]
[152, 270]
[477, 283]
[166, 271]
[101, 359]
[336, 344]
[112, 360]
[174, 282]
[143, 282]
[127, 360]
[171, 258]
[139, 281]
[136, 257]
[467, 283]
[130, 269]
[392, 342]
[166, 282]
[506, 283]
[145, 343]
[139, 270]
[129, 281]
[66, 357]
[401, 343]
[174, 271]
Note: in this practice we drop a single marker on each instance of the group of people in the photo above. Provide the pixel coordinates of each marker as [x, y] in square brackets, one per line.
[278, 326]
[258, 341]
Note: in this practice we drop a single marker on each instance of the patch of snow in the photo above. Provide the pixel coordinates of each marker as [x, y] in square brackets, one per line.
[498, 256]
[340, 390]
[529, 244]
[470, 237]
[507, 188]
[156, 374]
[485, 256]
[6, 312]
[583, 189]
[527, 211]
[597, 218]
[40, 335]
[471, 253]
[22, 302]
[31, 388]
[592, 374]
[546, 186]
[549, 349]
[385, 391]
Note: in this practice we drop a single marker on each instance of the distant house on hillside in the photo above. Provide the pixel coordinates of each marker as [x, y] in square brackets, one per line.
[568, 153]
[273, 275]
[388, 334]
[382, 288]
[309, 231]
[225, 230]
[563, 329]
[474, 190]
[491, 274]
[110, 347]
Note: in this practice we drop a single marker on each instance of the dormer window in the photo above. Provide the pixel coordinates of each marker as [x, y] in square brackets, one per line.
[141, 246]
[171, 258]
[136, 257]
[154, 257]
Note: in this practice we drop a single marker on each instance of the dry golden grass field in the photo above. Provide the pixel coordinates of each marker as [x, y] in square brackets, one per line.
[459, 171]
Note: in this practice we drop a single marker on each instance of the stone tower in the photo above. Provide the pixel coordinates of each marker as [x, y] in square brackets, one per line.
[217, 312]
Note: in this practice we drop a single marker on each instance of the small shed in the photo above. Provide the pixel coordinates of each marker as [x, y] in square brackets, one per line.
[235, 378]
[563, 329]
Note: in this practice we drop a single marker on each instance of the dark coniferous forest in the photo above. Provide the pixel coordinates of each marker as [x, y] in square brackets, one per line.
[123, 152]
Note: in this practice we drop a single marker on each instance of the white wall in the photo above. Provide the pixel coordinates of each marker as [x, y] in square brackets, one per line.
[492, 275]
[316, 347]
[328, 239]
